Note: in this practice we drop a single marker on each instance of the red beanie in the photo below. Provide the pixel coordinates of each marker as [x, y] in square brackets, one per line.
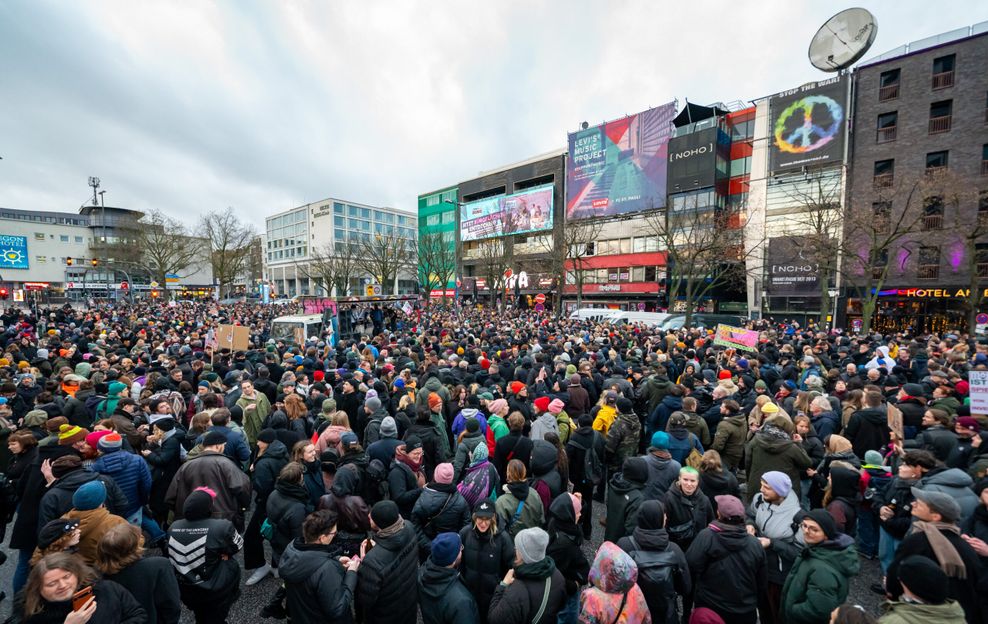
[542, 404]
[485, 363]
[962, 388]
[724, 374]
[516, 387]
[318, 375]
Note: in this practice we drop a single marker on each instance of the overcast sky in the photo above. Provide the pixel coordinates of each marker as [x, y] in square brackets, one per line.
[189, 105]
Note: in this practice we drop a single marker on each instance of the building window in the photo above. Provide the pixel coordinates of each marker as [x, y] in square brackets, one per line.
[651, 274]
[929, 263]
[339, 221]
[432, 220]
[878, 263]
[882, 212]
[943, 71]
[884, 173]
[984, 159]
[78, 239]
[637, 274]
[936, 162]
[888, 85]
[933, 212]
[39, 236]
[449, 217]
[887, 123]
[63, 238]
[940, 116]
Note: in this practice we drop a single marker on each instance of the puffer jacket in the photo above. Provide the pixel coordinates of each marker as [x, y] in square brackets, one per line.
[131, 474]
[724, 551]
[766, 453]
[317, 588]
[439, 509]
[780, 524]
[532, 513]
[443, 598]
[957, 484]
[487, 557]
[519, 603]
[819, 581]
[613, 594]
[388, 579]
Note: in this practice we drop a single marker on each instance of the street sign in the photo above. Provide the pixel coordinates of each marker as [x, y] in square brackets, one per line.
[154, 284]
[981, 319]
[540, 298]
[372, 290]
[124, 285]
[539, 307]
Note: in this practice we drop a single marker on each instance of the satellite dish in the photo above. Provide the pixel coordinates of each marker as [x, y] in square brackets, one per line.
[843, 40]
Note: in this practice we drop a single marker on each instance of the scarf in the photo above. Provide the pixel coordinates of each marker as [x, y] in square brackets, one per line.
[538, 570]
[394, 529]
[405, 459]
[947, 556]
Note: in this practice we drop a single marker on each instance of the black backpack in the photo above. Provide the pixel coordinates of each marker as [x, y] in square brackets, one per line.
[593, 468]
[657, 578]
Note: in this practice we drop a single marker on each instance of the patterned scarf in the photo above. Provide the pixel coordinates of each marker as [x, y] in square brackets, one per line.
[947, 556]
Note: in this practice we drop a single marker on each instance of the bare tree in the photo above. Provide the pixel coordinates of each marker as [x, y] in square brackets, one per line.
[495, 258]
[436, 263]
[229, 242]
[568, 250]
[706, 251]
[383, 256]
[168, 248]
[332, 266]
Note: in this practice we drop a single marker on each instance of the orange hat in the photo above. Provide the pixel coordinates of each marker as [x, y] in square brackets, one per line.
[516, 387]
[434, 400]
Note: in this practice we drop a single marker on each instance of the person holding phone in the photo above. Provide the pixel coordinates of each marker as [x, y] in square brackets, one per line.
[61, 588]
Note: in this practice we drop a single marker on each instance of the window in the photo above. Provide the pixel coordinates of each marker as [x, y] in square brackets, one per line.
[39, 236]
[879, 261]
[982, 203]
[352, 211]
[984, 159]
[651, 274]
[943, 71]
[933, 212]
[337, 208]
[884, 173]
[78, 239]
[449, 217]
[432, 220]
[882, 212]
[936, 161]
[888, 85]
[624, 245]
[887, 123]
[339, 221]
[929, 263]
[340, 235]
[940, 115]
[378, 215]
[637, 274]
[64, 238]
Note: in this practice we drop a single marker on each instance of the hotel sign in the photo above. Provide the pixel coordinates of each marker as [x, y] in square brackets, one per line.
[929, 293]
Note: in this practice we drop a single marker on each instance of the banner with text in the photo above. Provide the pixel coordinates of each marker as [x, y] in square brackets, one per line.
[736, 337]
[526, 211]
[13, 252]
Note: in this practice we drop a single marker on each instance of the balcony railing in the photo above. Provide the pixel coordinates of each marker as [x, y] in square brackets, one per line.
[932, 222]
[939, 125]
[885, 135]
[929, 271]
[935, 172]
[983, 269]
[889, 92]
[943, 80]
[984, 167]
[884, 180]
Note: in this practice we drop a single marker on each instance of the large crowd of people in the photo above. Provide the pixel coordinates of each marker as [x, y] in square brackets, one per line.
[448, 467]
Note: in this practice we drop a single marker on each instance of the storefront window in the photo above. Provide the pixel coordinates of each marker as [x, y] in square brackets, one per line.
[637, 273]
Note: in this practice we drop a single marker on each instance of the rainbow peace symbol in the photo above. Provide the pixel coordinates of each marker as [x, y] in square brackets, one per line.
[808, 124]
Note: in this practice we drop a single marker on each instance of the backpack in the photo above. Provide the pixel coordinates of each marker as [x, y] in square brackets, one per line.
[694, 459]
[375, 486]
[542, 489]
[656, 576]
[593, 469]
[93, 403]
[475, 486]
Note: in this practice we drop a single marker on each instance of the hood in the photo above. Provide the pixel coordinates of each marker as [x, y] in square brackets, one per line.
[622, 486]
[838, 553]
[116, 388]
[518, 490]
[873, 416]
[950, 611]
[951, 477]
[613, 571]
[680, 433]
[728, 538]
[651, 539]
[845, 483]
[674, 402]
[276, 450]
[544, 457]
[561, 508]
[434, 581]
[433, 385]
[771, 444]
[469, 412]
[74, 479]
[302, 561]
[346, 482]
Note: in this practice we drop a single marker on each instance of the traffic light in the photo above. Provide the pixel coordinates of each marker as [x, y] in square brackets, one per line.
[4, 293]
[154, 294]
[95, 262]
[69, 261]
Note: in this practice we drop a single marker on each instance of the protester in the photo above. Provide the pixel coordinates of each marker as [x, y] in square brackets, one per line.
[533, 590]
[488, 554]
[613, 594]
[443, 598]
[151, 580]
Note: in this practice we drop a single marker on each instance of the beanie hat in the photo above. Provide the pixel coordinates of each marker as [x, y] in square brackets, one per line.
[54, 424]
[874, 458]
[531, 544]
[89, 495]
[70, 434]
[65, 464]
[497, 405]
[318, 375]
[660, 440]
[779, 482]
[110, 442]
[611, 397]
[472, 424]
[267, 436]
[652, 515]
[789, 385]
[399, 383]
[374, 404]
[213, 438]
[962, 387]
[348, 439]
[389, 429]
[576, 501]
[516, 387]
[969, 423]
[924, 578]
[485, 396]
[825, 520]
[574, 379]
[635, 469]
[434, 400]
[731, 508]
[203, 384]
[384, 514]
[484, 363]
[724, 374]
[328, 406]
[913, 389]
[54, 530]
[542, 403]
[770, 408]
[444, 473]
[761, 385]
[556, 406]
[445, 549]
[198, 505]
[92, 439]
[625, 406]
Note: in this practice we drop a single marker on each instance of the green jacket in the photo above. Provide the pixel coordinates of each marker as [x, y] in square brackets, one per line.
[622, 439]
[565, 424]
[947, 404]
[254, 418]
[532, 514]
[818, 581]
[949, 612]
[729, 440]
[766, 453]
[498, 427]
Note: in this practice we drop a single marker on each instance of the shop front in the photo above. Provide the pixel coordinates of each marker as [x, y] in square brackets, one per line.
[916, 310]
[533, 291]
[640, 296]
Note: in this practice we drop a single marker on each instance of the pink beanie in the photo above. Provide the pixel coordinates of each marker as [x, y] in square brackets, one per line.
[556, 406]
[498, 405]
[93, 438]
[577, 503]
[444, 473]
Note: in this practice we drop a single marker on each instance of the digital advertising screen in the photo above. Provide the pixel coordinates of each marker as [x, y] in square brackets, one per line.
[789, 272]
[620, 166]
[13, 252]
[693, 160]
[808, 125]
[526, 211]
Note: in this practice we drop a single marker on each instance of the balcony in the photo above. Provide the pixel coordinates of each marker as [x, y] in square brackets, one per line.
[933, 222]
[943, 80]
[885, 135]
[889, 92]
[884, 180]
[983, 269]
[929, 271]
[939, 125]
[936, 172]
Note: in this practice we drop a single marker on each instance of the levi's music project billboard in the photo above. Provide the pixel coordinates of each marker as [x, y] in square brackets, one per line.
[620, 166]
[526, 211]
[808, 125]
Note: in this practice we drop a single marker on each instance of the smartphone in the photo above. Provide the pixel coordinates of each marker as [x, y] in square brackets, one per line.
[81, 597]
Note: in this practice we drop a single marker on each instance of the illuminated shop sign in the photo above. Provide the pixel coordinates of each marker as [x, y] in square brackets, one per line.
[929, 293]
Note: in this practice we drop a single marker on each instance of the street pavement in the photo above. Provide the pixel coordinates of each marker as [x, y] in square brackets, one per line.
[247, 610]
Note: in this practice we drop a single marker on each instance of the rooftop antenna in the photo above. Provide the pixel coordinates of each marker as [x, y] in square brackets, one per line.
[843, 40]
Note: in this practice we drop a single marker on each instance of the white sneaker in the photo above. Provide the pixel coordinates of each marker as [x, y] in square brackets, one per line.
[258, 575]
[274, 572]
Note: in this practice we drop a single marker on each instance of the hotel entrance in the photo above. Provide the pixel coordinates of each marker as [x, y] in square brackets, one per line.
[915, 311]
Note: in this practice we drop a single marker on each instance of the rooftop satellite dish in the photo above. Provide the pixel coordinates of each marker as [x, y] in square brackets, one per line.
[843, 40]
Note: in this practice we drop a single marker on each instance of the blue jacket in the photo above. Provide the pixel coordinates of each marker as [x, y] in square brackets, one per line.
[681, 442]
[236, 446]
[131, 474]
[660, 416]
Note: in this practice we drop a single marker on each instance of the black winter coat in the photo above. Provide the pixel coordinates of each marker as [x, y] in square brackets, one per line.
[287, 507]
[165, 460]
[443, 598]
[317, 588]
[724, 551]
[57, 501]
[114, 605]
[566, 544]
[152, 582]
[868, 430]
[266, 469]
[587, 438]
[512, 446]
[686, 516]
[440, 508]
[387, 581]
[486, 559]
[715, 484]
[24, 534]
[519, 602]
[652, 547]
[404, 488]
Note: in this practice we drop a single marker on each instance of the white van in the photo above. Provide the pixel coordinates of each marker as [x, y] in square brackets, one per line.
[287, 327]
[652, 319]
[590, 314]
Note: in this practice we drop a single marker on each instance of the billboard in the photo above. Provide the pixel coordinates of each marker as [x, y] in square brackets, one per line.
[693, 160]
[526, 211]
[808, 125]
[13, 252]
[620, 166]
[789, 273]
